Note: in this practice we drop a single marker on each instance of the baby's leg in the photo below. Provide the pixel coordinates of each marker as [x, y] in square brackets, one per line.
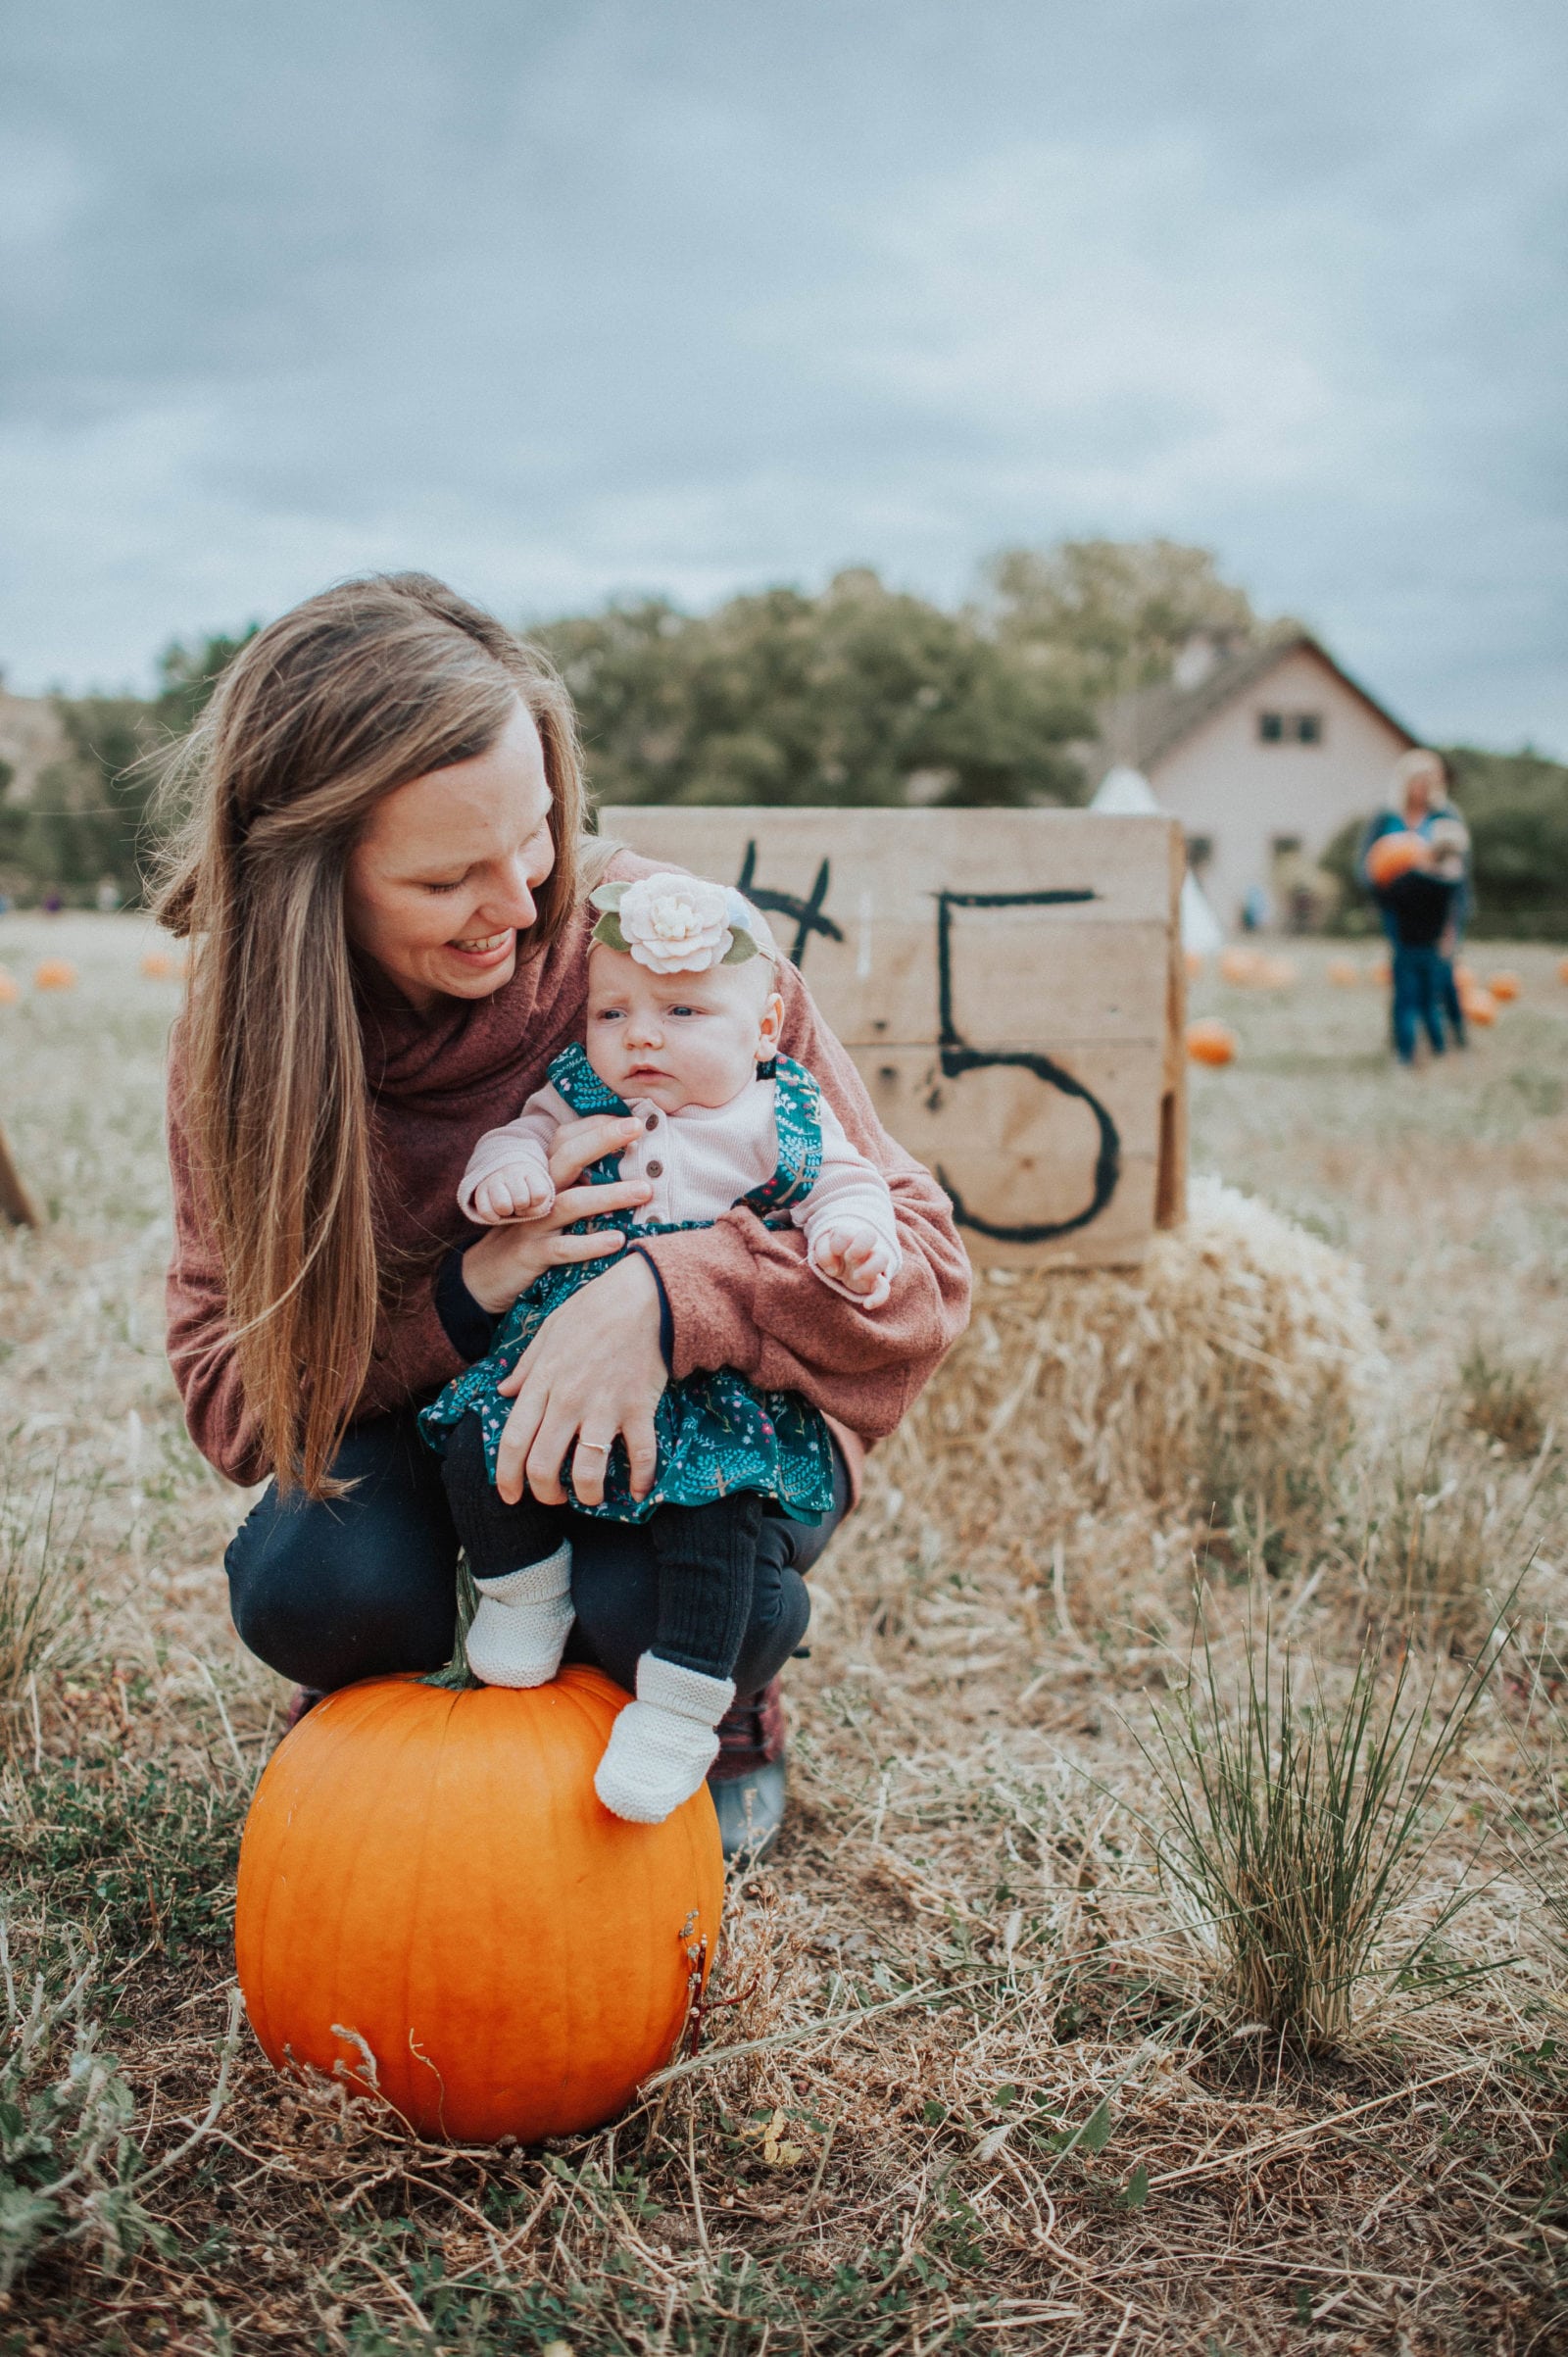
[522, 1568]
[662, 1746]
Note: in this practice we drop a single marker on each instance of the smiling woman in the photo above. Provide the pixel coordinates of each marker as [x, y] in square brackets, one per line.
[444, 875]
[383, 875]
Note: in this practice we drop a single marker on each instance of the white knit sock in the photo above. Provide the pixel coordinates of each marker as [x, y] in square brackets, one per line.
[520, 1632]
[663, 1745]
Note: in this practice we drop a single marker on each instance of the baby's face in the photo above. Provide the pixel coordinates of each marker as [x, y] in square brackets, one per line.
[679, 1039]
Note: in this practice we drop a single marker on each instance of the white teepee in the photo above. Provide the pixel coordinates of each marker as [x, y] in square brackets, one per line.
[1124, 793]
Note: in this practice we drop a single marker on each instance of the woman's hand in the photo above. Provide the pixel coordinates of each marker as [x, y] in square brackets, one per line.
[592, 1370]
[506, 1263]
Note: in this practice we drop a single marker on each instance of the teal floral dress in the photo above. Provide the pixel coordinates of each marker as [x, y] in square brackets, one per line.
[716, 1432]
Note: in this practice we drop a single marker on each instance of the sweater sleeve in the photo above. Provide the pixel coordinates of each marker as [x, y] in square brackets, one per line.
[740, 1296]
[528, 1139]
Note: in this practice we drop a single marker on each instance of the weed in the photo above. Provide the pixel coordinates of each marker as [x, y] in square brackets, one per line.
[73, 2166]
[1434, 1537]
[149, 1854]
[1297, 1830]
[1504, 1401]
[41, 1555]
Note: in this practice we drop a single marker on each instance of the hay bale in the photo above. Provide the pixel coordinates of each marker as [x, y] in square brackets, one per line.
[1240, 1333]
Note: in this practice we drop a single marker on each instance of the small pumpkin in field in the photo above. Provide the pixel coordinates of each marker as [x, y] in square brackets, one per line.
[1241, 968]
[1465, 976]
[1477, 1007]
[54, 973]
[1211, 1042]
[10, 988]
[1195, 965]
[158, 966]
[1504, 986]
[1343, 973]
[435, 1905]
[1381, 972]
[1562, 969]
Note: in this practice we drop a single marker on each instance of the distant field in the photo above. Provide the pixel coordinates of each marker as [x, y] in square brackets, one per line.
[1057, 2133]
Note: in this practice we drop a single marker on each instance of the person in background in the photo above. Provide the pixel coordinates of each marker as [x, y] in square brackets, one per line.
[1419, 798]
[1419, 906]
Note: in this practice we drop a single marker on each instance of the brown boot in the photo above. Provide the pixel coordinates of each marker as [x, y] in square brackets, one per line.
[748, 1777]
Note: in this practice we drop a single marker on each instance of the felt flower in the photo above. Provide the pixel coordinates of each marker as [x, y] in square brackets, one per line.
[674, 924]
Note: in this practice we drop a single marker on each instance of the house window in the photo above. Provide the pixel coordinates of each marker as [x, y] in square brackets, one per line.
[1199, 852]
[1289, 728]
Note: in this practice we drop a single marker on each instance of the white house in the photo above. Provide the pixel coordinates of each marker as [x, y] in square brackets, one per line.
[1262, 754]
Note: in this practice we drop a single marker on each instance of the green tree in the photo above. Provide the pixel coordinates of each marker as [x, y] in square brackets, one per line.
[91, 814]
[1104, 616]
[861, 695]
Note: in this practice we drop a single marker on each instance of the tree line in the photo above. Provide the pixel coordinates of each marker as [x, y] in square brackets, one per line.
[861, 694]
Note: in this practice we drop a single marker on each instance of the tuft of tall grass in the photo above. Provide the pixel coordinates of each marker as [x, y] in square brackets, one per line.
[1438, 1531]
[42, 1555]
[1296, 1828]
[1504, 1401]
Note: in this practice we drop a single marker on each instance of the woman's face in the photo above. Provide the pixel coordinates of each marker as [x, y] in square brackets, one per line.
[442, 880]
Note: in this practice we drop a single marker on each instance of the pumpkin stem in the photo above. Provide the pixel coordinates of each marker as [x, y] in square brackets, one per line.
[456, 1676]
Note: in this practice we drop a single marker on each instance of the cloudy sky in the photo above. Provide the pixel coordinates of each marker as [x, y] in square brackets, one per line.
[565, 300]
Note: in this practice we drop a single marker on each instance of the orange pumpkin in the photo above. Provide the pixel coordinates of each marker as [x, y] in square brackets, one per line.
[10, 991]
[1479, 1007]
[1241, 966]
[1195, 965]
[1562, 969]
[1394, 855]
[158, 966]
[1211, 1042]
[1381, 970]
[54, 973]
[1504, 986]
[1465, 977]
[433, 1874]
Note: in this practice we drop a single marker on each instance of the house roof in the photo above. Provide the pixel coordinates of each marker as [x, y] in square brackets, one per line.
[1141, 728]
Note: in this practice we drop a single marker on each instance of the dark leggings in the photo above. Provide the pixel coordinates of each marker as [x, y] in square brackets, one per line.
[326, 1592]
[704, 1556]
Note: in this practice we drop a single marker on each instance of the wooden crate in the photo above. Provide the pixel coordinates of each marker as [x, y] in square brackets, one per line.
[1010, 985]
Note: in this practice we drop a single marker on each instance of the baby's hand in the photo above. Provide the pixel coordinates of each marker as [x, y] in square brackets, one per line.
[858, 1259]
[516, 1190]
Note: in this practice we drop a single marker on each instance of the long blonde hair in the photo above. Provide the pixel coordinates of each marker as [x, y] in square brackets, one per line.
[323, 714]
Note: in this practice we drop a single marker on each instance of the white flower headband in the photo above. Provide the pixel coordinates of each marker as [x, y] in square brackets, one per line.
[677, 924]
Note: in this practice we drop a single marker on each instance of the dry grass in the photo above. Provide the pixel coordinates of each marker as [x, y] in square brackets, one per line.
[983, 2084]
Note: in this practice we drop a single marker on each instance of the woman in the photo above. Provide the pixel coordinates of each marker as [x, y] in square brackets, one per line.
[1419, 798]
[383, 873]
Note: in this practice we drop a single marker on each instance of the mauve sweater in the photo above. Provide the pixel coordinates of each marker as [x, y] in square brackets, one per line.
[736, 1294]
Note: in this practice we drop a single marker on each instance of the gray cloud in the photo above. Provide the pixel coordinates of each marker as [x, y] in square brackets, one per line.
[563, 300]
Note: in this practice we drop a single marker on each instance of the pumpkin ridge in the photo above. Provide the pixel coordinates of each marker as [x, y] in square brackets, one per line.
[439, 1741]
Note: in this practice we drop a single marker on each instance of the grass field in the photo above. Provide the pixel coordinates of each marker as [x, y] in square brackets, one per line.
[1000, 2087]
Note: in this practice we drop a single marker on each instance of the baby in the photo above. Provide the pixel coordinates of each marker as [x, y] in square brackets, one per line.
[682, 1033]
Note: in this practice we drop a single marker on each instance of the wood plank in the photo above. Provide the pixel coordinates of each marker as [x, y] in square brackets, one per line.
[1011, 986]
